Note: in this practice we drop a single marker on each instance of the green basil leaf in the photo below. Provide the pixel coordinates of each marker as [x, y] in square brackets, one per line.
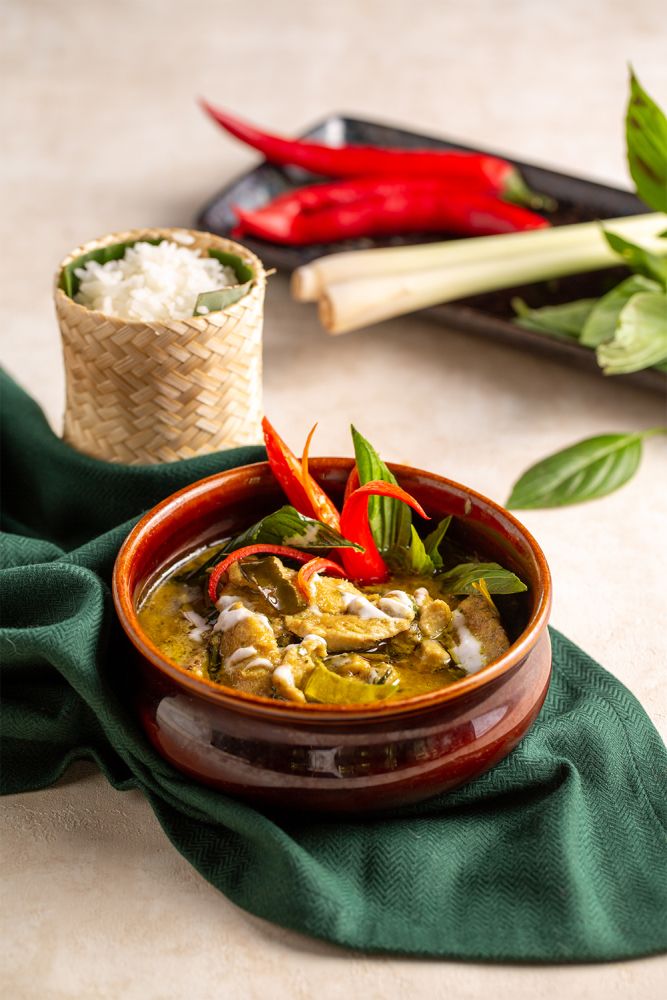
[584, 471]
[603, 319]
[565, 321]
[389, 519]
[418, 561]
[287, 526]
[641, 261]
[214, 657]
[640, 340]
[69, 282]
[222, 298]
[646, 141]
[433, 540]
[460, 579]
[281, 594]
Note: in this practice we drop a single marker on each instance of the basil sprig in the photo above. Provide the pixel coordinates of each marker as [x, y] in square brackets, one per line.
[461, 578]
[603, 318]
[403, 548]
[584, 471]
[285, 526]
[432, 541]
[389, 519]
[640, 339]
[646, 139]
[565, 321]
[638, 259]
[627, 327]
[627, 335]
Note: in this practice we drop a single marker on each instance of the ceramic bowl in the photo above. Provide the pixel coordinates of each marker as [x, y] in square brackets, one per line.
[329, 757]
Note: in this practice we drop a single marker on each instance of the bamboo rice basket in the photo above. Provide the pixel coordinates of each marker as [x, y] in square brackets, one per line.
[146, 392]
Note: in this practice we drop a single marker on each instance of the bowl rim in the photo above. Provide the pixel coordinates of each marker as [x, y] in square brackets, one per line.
[256, 704]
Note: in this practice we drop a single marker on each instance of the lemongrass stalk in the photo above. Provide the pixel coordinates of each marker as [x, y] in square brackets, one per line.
[309, 281]
[348, 305]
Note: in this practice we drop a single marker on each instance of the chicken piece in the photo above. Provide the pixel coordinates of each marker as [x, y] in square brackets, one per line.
[434, 618]
[251, 679]
[346, 619]
[344, 633]
[332, 595]
[477, 624]
[428, 657]
[236, 582]
[259, 586]
[248, 648]
[354, 665]
[405, 643]
[397, 604]
[297, 664]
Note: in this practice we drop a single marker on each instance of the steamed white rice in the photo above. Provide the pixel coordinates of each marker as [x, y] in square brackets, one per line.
[151, 282]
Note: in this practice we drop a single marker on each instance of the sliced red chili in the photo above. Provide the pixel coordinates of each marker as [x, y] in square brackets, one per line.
[317, 565]
[286, 467]
[368, 566]
[251, 550]
[322, 505]
[352, 483]
[301, 489]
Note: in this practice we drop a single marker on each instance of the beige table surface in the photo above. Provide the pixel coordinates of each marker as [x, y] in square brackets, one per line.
[100, 132]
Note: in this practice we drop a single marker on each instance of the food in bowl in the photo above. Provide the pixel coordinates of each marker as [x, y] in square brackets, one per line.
[350, 757]
[391, 615]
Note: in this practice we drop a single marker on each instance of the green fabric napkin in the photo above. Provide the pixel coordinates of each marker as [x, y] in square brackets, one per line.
[557, 854]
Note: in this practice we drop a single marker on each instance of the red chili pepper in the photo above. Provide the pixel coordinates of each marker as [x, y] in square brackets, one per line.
[317, 565]
[322, 505]
[490, 172]
[352, 483]
[368, 566]
[251, 550]
[301, 489]
[384, 208]
[313, 198]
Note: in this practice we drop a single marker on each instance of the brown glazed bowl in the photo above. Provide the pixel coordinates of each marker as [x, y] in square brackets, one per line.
[332, 757]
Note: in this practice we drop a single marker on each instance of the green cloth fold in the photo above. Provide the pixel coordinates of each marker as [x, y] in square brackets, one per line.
[558, 854]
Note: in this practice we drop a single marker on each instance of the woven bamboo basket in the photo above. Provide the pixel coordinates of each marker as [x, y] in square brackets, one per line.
[140, 392]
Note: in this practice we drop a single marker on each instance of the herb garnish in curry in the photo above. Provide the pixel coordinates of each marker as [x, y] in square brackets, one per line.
[272, 613]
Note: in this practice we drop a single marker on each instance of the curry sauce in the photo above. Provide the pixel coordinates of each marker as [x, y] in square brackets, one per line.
[345, 644]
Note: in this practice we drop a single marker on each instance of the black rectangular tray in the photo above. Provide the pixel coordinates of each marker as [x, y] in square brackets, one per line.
[488, 315]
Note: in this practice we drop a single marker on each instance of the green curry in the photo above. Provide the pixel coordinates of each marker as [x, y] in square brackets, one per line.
[403, 614]
[345, 644]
